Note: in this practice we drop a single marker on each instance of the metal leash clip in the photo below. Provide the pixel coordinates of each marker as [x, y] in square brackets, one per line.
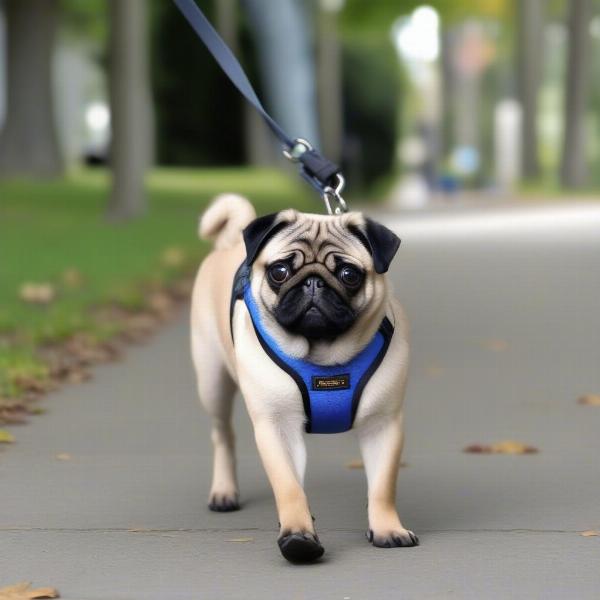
[334, 203]
[332, 197]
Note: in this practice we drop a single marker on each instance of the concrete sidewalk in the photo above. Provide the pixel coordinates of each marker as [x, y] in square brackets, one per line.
[505, 335]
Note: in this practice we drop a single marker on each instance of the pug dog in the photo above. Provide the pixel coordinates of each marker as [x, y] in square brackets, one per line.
[280, 299]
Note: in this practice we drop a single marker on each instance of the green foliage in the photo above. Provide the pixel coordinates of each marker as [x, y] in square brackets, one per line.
[86, 19]
[49, 227]
[199, 114]
[371, 92]
[373, 19]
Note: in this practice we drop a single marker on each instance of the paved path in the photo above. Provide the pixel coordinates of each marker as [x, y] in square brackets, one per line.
[492, 527]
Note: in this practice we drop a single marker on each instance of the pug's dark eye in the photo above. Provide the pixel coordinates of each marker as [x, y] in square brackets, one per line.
[278, 273]
[350, 276]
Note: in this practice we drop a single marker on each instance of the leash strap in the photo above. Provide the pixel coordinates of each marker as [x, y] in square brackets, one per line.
[317, 170]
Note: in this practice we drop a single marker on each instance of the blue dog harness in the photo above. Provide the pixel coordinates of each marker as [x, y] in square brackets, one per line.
[330, 394]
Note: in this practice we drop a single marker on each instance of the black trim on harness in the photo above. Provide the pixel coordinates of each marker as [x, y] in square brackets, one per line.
[240, 281]
[387, 330]
[299, 381]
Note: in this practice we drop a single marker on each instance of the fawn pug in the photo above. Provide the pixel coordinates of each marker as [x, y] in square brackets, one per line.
[295, 311]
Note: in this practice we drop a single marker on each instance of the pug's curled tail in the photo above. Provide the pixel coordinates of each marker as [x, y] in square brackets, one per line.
[224, 220]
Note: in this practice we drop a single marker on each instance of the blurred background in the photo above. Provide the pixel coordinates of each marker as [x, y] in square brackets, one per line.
[116, 128]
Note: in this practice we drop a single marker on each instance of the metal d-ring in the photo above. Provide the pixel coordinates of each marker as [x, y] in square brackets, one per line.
[297, 150]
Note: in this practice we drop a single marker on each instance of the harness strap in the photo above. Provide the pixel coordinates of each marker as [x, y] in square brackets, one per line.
[330, 393]
[320, 172]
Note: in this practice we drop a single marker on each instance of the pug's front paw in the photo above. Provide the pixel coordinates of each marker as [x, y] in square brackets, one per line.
[401, 538]
[224, 502]
[300, 546]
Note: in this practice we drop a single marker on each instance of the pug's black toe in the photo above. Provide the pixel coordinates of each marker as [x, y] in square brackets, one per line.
[396, 539]
[300, 547]
[222, 503]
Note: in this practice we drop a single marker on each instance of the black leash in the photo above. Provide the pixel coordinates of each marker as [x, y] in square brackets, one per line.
[321, 173]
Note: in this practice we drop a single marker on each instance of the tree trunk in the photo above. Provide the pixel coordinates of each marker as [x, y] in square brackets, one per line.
[573, 170]
[29, 141]
[282, 35]
[329, 73]
[257, 137]
[529, 69]
[132, 140]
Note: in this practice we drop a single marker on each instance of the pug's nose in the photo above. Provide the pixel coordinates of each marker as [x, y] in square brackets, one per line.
[313, 283]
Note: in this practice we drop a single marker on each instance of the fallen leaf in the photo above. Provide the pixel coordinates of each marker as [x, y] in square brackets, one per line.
[72, 278]
[241, 540]
[63, 456]
[173, 256]
[434, 371]
[478, 449]
[504, 447]
[23, 591]
[6, 437]
[495, 345]
[590, 533]
[37, 293]
[78, 376]
[589, 399]
[512, 447]
[161, 303]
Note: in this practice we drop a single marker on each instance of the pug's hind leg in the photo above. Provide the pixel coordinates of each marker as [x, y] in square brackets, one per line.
[283, 453]
[216, 390]
[381, 446]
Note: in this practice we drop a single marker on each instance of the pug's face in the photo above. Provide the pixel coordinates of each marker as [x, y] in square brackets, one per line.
[318, 275]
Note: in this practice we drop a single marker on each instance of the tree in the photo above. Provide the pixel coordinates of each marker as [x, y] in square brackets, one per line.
[329, 77]
[529, 68]
[257, 138]
[29, 142]
[131, 107]
[282, 36]
[573, 168]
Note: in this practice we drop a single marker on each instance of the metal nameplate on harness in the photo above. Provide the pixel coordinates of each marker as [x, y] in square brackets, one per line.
[331, 382]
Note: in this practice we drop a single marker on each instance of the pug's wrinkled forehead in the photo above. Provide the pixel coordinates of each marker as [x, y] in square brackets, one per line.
[309, 238]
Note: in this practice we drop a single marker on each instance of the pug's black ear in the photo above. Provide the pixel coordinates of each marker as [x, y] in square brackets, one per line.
[381, 243]
[258, 233]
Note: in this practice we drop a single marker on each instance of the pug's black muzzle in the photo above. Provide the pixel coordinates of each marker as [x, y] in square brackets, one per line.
[315, 310]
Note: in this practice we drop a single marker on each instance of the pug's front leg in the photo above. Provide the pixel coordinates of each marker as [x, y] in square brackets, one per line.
[381, 446]
[283, 453]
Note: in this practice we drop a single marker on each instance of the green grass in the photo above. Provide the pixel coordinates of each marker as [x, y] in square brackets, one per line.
[49, 227]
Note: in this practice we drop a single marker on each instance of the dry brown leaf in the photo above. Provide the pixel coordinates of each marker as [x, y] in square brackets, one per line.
[182, 289]
[478, 449]
[503, 447]
[78, 376]
[590, 533]
[63, 456]
[241, 540]
[23, 591]
[173, 256]
[161, 303]
[589, 399]
[72, 278]
[6, 437]
[434, 371]
[512, 447]
[495, 345]
[37, 293]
